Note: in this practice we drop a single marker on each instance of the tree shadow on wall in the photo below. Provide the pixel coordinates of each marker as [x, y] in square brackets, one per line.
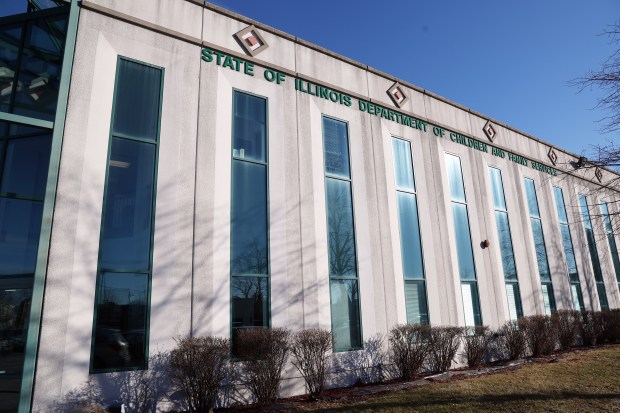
[369, 365]
[139, 391]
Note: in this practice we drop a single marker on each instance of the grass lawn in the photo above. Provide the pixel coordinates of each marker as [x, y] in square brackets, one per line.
[585, 381]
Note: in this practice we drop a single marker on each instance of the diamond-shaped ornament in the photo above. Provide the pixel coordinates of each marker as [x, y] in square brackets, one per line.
[251, 40]
[489, 130]
[599, 174]
[553, 156]
[397, 95]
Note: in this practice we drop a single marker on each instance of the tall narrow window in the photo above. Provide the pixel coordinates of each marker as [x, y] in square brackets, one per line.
[411, 248]
[344, 285]
[539, 244]
[120, 332]
[596, 263]
[567, 242]
[465, 253]
[505, 245]
[609, 231]
[249, 237]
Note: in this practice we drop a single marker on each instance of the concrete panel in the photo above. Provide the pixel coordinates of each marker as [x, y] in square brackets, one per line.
[362, 178]
[450, 116]
[89, 130]
[180, 16]
[73, 252]
[332, 71]
[313, 215]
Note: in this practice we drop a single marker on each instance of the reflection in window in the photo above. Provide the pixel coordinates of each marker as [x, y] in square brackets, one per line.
[505, 245]
[29, 6]
[24, 161]
[126, 240]
[539, 246]
[249, 127]
[344, 288]
[411, 247]
[569, 253]
[342, 260]
[596, 263]
[464, 251]
[31, 52]
[249, 226]
[249, 218]
[120, 331]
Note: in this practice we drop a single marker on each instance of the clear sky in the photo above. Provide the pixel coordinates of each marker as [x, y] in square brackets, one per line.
[508, 59]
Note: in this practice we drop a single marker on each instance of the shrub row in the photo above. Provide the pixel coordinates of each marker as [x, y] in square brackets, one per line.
[201, 367]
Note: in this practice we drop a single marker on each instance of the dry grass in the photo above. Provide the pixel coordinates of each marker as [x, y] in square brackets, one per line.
[584, 381]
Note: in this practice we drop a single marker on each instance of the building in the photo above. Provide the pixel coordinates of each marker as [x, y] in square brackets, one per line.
[169, 168]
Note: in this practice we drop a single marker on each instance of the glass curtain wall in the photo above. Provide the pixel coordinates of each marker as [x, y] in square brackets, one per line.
[24, 161]
[611, 239]
[120, 328]
[344, 284]
[32, 46]
[539, 244]
[411, 247]
[249, 237]
[509, 266]
[569, 253]
[465, 253]
[31, 53]
[596, 263]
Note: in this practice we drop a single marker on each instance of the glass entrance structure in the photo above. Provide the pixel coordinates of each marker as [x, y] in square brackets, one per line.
[33, 46]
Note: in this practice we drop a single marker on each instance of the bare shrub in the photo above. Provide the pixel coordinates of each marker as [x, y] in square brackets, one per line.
[566, 324]
[540, 334]
[476, 341]
[410, 346]
[264, 352]
[199, 365]
[592, 328]
[310, 349]
[514, 340]
[444, 343]
[611, 325]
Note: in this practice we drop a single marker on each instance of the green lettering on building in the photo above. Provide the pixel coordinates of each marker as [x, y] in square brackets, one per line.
[335, 96]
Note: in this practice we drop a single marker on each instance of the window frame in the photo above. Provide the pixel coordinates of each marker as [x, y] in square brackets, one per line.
[410, 281]
[326, 176]
[100, 270]
[463, 281]
[267, 209]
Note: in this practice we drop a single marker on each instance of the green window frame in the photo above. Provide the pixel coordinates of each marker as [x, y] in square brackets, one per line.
[594, 257]
[412, 258]
[250, 265]
[470, 297]
[345, 300]
[127, 349]
[544, 272]
[504, 235]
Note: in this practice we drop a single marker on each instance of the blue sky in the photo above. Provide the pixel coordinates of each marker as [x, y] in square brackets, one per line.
[510, 60]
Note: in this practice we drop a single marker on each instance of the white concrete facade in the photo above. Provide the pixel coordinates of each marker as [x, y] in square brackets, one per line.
[190, 291]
